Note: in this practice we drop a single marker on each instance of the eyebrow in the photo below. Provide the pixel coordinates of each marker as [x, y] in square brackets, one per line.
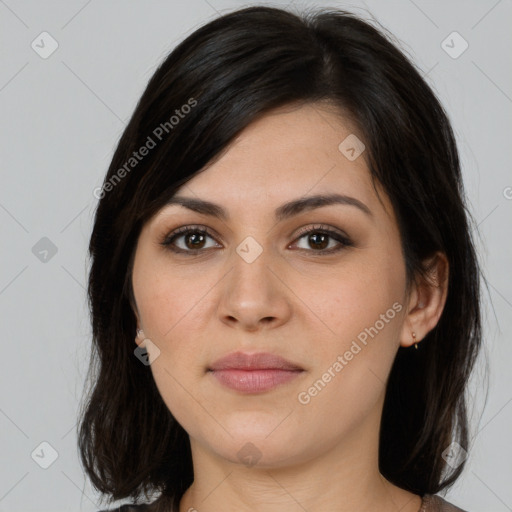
[283, 212]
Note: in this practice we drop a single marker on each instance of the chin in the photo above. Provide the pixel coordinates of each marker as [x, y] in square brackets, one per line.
[256, 442]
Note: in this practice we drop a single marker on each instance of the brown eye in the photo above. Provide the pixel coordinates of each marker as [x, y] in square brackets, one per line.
[323, 240]
[187, 239]
[194, 240]
[318, 240]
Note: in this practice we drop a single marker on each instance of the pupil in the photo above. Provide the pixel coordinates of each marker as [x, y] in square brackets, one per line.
[316, 241]
[192, 236]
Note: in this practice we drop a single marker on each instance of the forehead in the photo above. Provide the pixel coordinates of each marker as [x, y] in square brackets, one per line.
[290, 148]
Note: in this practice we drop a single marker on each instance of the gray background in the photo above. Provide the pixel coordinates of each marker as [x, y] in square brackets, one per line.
[61, 119]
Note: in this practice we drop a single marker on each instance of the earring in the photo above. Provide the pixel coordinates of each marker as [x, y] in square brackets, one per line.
[140, 333]
[414, 340]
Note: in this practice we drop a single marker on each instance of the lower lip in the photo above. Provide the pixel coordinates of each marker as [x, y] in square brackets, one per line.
[254, 381]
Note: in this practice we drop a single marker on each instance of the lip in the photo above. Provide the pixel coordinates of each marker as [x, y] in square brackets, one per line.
[256, 361]
[253, 373]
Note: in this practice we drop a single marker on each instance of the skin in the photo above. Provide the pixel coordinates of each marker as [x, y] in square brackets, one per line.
[291, 301]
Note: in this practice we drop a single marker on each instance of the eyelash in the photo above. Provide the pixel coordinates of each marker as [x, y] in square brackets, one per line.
[319, 229]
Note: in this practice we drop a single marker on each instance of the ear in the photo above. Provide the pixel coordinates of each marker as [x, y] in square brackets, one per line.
[139, 335]
[140, 338]
[426, 300]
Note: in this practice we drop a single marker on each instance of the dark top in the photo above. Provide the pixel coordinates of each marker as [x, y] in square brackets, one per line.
[430, 503]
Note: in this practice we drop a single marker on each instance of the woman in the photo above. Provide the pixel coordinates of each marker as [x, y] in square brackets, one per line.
[284, 290]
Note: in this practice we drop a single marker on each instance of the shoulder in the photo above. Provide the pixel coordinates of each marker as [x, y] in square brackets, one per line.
[161, 504]
[435, 503]
[132, 508]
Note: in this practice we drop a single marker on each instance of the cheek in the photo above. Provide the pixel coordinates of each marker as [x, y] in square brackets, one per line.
[168, 300]
[175, 327]
[353, 368]
[363, 309]
[356, 298]
[168, 308]
[169, 311]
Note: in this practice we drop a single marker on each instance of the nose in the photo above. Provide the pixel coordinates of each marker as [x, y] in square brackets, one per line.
[254, 296]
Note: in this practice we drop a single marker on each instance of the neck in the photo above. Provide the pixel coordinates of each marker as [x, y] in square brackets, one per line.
[344, 478]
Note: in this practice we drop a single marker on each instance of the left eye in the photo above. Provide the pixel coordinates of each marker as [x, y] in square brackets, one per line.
[319, 240]
[319, 237]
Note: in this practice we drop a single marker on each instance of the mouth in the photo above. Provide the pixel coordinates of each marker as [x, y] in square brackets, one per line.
[253, 373]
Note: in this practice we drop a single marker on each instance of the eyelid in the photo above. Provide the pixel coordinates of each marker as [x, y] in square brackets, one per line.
[320, 227]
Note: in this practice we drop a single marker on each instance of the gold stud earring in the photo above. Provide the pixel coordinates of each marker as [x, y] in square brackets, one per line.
[414, 340]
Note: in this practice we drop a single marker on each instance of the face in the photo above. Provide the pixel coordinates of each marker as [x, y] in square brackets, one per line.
[322, 286]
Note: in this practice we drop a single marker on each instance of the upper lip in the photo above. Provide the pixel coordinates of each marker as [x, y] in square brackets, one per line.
[257, 361]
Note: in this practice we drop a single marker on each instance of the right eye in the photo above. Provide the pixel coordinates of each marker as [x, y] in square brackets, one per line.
[191, 239]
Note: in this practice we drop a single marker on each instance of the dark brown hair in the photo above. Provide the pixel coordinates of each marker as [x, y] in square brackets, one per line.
[229, 72]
